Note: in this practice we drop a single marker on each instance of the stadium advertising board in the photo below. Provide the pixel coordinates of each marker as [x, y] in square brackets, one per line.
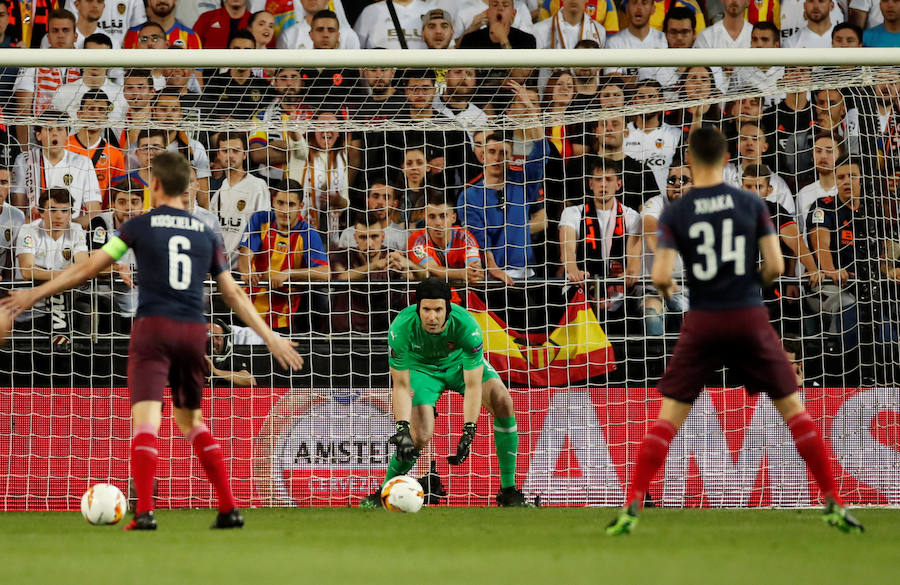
[578, 447]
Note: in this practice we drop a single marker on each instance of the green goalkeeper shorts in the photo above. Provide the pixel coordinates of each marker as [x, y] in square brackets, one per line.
[429, 385]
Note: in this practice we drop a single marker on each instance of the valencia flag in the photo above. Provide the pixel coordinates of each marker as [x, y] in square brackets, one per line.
[573, 352]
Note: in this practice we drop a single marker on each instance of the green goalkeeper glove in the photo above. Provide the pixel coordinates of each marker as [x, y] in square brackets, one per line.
[465, 442]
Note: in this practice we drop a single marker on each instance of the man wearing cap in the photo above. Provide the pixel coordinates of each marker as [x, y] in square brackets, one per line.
[437, 29]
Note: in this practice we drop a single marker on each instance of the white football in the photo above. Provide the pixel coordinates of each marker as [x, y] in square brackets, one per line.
[103, 503]
[403, 494]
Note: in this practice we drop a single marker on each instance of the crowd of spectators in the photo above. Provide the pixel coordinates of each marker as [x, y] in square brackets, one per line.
[522, 215]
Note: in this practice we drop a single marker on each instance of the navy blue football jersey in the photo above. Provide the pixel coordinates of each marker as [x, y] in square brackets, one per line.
[174, 252]
[717, 230]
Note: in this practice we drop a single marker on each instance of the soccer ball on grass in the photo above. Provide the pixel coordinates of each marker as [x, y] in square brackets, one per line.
[103, 503]
[403, 494]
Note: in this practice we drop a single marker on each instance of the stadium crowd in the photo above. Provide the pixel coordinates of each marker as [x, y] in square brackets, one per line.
[422, 185]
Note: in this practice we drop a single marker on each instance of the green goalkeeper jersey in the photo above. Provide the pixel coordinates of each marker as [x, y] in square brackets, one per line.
[414, 348]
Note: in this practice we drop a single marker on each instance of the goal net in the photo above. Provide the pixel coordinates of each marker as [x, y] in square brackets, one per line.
[535, 190]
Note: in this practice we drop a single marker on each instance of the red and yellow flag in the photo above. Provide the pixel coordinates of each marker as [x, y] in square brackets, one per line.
[575, 351]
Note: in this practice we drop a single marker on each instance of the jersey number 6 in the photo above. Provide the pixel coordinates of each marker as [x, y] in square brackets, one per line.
[179, 264]
[732, 249]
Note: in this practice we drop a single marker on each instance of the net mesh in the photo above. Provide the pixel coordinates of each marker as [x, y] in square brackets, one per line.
[481, 177]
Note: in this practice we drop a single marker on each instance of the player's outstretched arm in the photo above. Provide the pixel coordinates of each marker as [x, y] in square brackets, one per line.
[772, 260]
[282, 349]
[663, 265]
[401, 394]
[471, 410]
[74, 274]
[402, 398]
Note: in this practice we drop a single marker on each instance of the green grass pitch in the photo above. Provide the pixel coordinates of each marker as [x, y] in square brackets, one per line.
[552, 546]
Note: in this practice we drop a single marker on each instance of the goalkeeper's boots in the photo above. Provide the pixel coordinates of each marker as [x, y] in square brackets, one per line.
[840, 518]
[145, 521]
[433, 486]
[231, 519]
[372, 501]
[512, 497]
[626, 521]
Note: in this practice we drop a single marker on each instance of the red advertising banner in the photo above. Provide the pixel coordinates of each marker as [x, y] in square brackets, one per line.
[328, 448]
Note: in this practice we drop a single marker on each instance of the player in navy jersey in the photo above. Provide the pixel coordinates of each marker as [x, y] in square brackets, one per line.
[174, 253]
[720, 231]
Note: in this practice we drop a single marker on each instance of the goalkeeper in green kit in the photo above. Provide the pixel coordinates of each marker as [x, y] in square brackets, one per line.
[437, 346]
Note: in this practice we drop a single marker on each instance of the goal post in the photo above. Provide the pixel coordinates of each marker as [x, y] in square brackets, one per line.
[339, 179]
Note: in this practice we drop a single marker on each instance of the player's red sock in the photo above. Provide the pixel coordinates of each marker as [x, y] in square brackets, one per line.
[652, 455]
[210, 454]
[811, 447]
[143, 465]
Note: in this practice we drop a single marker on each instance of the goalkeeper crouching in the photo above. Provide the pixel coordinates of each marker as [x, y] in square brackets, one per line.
[437, 346]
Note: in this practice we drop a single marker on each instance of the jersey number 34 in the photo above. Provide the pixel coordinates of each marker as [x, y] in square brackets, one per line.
[732, 249]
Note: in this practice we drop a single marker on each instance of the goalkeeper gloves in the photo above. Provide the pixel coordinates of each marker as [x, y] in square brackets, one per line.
[406, 449]
[465, 442]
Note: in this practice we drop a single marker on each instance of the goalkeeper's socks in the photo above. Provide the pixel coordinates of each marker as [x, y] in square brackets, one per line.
[143, 465]
[397, 467]
[506, 441]
[652, 455]
[210, 455]
[811, 447]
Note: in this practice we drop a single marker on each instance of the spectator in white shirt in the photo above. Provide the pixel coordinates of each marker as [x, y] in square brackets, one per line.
[88, 14]
[764, 36]
[46, 246]
[817, 32]
[680, 28]
[865, 13]
[115, 18]
[168, 113]
[793, 18]
[570, 24]
[35, 86]
[11, 219]
[752, 145]
[826, 152]
[51, 165]
[297, 36]
[376, 29]
[456, 100]
[732, 32]
[241, 194]
[68, 96]
[648, 138]
[638, 35]
[336, 6]
[678, 182]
